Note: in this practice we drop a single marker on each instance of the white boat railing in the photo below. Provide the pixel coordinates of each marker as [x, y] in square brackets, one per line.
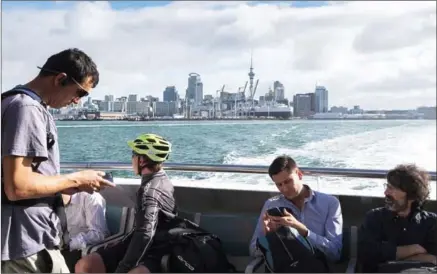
[310, 171]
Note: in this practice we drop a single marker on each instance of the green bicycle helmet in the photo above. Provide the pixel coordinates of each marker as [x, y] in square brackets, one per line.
[151, 145]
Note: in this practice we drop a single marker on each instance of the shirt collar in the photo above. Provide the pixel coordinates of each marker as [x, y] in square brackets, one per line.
[75, 199]
[307, 199]
[414, 216]
[312, 193]
[29, 92]
[32, 94]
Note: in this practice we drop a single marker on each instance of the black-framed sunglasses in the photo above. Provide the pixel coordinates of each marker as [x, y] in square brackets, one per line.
[81, 91]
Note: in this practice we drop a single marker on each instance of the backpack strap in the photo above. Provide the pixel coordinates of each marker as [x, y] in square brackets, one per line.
[56, 202]
[27, 202]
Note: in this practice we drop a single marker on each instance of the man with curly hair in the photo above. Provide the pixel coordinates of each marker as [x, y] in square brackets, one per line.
[401, 230]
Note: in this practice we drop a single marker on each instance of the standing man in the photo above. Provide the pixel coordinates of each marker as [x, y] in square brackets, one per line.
[31, 184]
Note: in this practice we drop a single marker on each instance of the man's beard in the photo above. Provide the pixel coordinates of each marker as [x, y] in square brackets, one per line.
[395, 205]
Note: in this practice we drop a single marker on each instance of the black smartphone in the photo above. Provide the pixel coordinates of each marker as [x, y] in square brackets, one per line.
[108, 176]
[275, 211]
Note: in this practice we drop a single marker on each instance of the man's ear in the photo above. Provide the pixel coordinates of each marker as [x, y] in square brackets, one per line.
[299, 173]
[60, 79]
[141, 161]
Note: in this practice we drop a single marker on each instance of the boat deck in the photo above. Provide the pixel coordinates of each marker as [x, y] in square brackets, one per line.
[232, 213]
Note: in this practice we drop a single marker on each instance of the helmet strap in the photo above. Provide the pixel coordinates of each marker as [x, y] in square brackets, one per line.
[139, 168]
[142, 165]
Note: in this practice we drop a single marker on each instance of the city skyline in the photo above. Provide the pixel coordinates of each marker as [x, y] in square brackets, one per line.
[376, 55]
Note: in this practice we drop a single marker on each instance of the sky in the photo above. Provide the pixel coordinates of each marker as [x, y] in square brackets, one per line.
[379, 55]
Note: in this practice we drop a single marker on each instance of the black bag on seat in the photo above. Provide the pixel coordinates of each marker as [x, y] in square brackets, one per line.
[287, 254]
[195, 250]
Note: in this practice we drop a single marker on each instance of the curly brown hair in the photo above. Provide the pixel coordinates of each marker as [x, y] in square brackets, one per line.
[412, 180]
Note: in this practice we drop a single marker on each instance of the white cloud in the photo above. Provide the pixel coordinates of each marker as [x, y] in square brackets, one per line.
[376, 54]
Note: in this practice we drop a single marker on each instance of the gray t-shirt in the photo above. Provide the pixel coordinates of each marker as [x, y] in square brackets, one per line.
[26, 231]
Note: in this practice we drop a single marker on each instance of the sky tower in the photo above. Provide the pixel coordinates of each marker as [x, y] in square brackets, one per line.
[251, 76]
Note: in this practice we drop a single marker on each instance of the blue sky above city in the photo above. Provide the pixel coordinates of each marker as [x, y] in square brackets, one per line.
[141, 4]
[375, 54]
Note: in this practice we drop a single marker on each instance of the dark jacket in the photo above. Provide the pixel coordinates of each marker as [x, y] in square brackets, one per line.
[383, 231]
[155, 211]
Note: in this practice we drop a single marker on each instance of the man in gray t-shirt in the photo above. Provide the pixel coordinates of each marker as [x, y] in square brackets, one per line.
[30, 238]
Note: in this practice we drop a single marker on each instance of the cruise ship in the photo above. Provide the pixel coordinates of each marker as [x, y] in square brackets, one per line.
[341, 116]
[274, 110]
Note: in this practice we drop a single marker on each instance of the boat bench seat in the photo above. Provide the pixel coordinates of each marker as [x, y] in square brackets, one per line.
[236, 233]
[346, 264]
[120, 220]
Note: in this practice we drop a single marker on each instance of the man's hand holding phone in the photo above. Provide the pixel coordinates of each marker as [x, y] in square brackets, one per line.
[285, 218]
[269, 224]
[91, 180]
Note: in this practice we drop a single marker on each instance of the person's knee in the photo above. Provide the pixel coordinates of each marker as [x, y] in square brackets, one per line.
[92, 263]
[140, 269]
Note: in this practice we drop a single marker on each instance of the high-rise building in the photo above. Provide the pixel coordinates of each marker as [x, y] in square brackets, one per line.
[278, 89]
[195, 88]
[313, 101]
[321, 99]
[302, 105]
[170, 94]
[109, 98]
[132, 98]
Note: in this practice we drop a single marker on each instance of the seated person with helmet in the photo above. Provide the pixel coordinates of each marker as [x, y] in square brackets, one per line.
[401, 235]
[142, 249]
[299, 229]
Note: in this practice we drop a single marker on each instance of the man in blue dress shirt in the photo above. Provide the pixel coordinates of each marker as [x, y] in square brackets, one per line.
[315, 217]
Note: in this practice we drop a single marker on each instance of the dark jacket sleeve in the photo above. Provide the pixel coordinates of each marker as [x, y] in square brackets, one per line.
[431, 239]
[372, 250]
[146, 223]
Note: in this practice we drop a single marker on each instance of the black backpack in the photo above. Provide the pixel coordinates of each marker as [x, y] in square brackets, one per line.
[195, 250]
[286, 254]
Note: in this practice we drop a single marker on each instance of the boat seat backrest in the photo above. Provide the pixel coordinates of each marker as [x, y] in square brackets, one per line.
[119, 220]
[191, 216]
[116, 219]
[234, 231]
[345, 252]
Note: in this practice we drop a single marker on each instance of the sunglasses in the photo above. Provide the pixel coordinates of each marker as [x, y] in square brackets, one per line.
[388, 186]
[81, 91]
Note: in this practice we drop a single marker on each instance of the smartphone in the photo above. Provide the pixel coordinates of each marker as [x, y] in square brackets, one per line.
[108, 176]
[275, 211]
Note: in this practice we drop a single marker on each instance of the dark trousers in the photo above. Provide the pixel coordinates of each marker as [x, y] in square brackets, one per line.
[71, 258]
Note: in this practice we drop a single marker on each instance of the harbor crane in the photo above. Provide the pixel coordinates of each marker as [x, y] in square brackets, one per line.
[218, 95]
[244, 90]
[252, 95]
